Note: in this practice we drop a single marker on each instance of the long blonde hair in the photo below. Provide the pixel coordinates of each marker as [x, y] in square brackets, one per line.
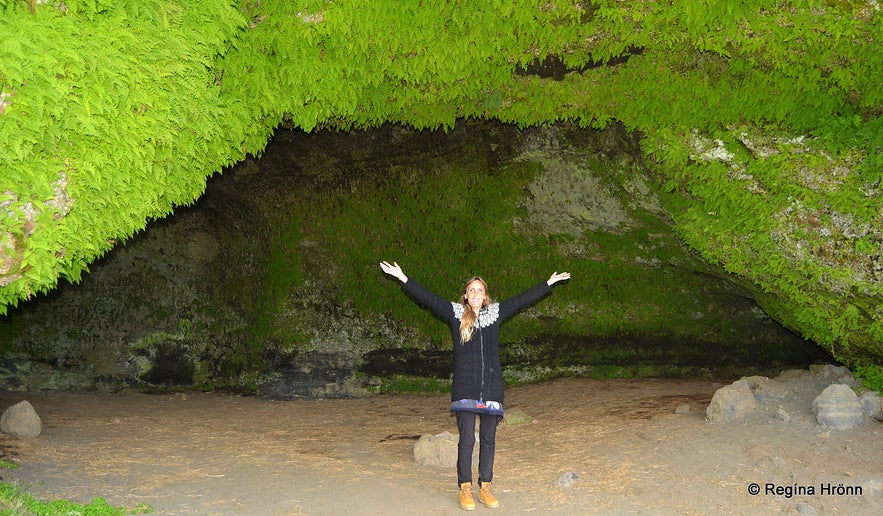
[468, 319]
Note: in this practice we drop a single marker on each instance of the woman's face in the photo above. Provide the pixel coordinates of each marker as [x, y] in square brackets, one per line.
[475, 294]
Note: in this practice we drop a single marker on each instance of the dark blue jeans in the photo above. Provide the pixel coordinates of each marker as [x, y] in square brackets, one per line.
[487, 433]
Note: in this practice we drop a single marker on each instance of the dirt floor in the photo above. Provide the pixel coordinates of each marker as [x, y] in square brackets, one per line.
[593, 447]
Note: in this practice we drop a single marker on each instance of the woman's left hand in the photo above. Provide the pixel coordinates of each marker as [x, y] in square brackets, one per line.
[556, 277]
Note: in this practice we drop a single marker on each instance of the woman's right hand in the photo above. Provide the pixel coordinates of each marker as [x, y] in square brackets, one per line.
[394, 270]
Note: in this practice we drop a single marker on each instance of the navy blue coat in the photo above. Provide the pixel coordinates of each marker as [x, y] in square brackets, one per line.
[477, 371]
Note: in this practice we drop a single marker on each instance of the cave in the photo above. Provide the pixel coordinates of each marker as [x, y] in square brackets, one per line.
[173, 192]
[199, 202]
[269, 283]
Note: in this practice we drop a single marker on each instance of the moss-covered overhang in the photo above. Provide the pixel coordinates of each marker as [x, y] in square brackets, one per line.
[112, 114]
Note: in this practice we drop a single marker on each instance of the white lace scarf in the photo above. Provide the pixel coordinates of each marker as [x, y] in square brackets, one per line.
[487, 316]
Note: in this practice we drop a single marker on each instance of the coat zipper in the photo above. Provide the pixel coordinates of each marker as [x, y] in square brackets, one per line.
[481, 340]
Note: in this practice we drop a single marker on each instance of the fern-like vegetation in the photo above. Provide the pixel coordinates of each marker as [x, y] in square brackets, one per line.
[113, 113]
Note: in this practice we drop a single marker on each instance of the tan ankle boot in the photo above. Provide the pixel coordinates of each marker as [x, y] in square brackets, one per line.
[486, 496]
[467, 502]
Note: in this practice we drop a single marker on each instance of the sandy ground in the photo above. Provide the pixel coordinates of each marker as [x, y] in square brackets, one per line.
[631, 453]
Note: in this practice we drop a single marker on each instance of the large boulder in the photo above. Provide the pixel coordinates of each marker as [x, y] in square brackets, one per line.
[440, 450]
[731, 402]
[872, 405]
[838, 407]
[764, 389]
[22, 420]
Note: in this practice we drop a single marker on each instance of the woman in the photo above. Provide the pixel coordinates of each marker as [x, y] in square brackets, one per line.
[477, 388]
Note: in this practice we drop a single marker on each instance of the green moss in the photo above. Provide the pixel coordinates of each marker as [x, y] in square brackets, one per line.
[284, 271]
[446, 219]
[221, 76]
[871, 376]
[408, 383]
[14, 500]
[788, 219]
